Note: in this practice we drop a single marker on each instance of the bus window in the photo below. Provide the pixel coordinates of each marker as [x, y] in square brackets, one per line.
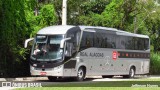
[122, 42]
[146, 46]
[109, 41]
[72, 44]
[118, 42]
[141, 44]
[97, 40]
[104, 41]
[135, 43]
[129, 43]
[87, 40]
[113, 41]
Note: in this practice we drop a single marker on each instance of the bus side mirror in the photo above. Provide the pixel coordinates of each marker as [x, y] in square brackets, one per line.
[62, 42]
[69, 49]
[26, 42]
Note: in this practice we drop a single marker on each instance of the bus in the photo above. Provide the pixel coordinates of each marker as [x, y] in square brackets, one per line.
[80, 51]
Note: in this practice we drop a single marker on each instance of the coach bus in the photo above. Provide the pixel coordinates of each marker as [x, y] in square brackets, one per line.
[80, 51]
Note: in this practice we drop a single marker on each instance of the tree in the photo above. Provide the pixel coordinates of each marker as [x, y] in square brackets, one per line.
[113, 14]
[14, 30]
[46, 15]
[58, 10]
[76, 9]
[90, 12]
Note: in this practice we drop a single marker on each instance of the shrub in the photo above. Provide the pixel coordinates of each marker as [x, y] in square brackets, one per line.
[155, 63]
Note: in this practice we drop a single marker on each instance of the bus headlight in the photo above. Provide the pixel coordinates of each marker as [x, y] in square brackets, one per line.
[58, 67]
[35, 65]
[31, 67]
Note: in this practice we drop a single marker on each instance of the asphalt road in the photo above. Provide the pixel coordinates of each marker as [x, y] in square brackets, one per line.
[94, 78]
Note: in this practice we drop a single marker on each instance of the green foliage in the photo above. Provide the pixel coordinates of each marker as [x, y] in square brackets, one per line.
[95, 6]
[113, 14]
[13, 32]
[46, 17]
[18, 22]
[91, 20]
[77, 10]
[58, 10]
[73, 13]
[141, 17]
[155, 63]
[90, 12]
[153, 28]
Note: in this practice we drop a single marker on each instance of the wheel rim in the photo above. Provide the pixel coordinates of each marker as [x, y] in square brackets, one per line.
[80, 74]
[132, 73]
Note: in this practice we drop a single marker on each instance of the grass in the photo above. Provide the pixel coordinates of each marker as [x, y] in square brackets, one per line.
[106, 85]
[146, 79]
[88, 88]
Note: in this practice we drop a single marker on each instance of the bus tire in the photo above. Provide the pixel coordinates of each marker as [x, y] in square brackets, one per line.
[52, 78]
[81, 74]
[107, 76]
[131, 73]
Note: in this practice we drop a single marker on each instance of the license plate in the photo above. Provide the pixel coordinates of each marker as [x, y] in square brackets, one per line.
[43, 73]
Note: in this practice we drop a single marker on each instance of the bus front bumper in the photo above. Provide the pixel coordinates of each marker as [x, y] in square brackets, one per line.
[46, 72]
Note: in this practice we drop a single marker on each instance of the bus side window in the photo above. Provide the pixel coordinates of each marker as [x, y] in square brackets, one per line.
[102, 40]
[87, 40]
[118, 42]
[113, 41]
[72, 44]
[135, 43]
[105, 42]
[110, 41]
[97, 40]
[132, 40]
[122, 42]
[129, 43]
[83, 42]
[141, 44]
[146, 46]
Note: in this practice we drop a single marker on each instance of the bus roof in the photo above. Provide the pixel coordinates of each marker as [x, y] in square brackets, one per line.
[59, 29]
[62, 29]
[118, 32]
[124, 33]
[97, 27]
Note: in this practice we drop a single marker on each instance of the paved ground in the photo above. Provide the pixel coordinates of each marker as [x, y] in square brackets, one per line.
[7, 88]
[95, 78]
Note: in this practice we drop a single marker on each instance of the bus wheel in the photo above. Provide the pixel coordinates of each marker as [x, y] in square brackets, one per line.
[107, 76]
[81, 74]
[131, 73]
[52, 78]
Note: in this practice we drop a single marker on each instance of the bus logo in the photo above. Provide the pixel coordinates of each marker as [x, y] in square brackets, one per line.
[114, 55]
[6, 84]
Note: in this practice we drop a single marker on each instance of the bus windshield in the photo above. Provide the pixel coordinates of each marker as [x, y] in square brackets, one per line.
[47, 48]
